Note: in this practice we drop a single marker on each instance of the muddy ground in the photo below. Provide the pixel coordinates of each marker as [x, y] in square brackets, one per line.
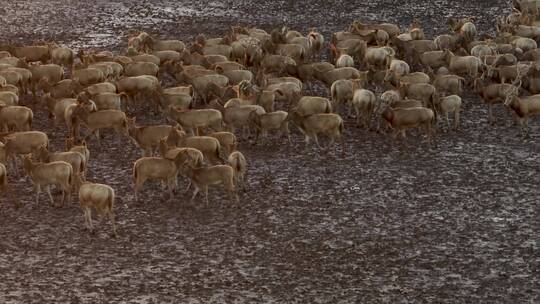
[383, 223]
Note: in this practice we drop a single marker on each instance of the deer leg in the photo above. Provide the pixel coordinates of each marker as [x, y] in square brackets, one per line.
[88, 212]
[316, 141]
[48, 189]
[285, 132]
[111, 217]
[195, 191]
[38, 191]
[63, 201]
[306, 140]
[525, 131]
[86, 220]
[206, 194]
[257, 133]
[170, 183]
[231, 191]
[98, 137]
[490, 114]
[14, 163]
[138, 184]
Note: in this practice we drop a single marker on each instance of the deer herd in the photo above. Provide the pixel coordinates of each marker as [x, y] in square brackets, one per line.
[213, 92]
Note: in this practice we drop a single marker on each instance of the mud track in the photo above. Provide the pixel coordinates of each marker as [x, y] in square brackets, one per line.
[382, 223]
